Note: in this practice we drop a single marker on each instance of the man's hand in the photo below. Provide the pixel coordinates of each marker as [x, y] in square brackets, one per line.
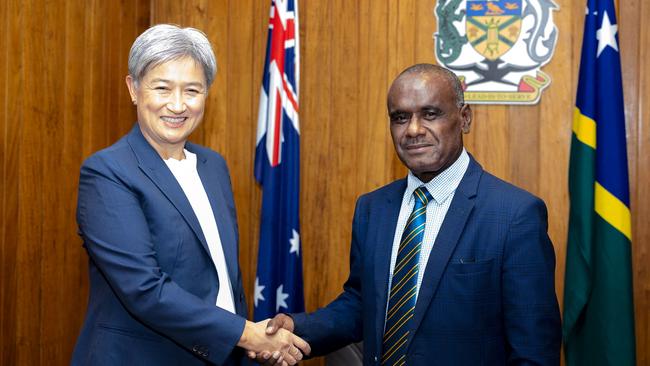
[280, 321]
[286, 348]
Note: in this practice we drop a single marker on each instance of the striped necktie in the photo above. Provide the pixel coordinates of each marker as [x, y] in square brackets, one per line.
[403, 289]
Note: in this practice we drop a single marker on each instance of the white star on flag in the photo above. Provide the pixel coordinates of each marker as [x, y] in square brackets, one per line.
[258, 291]
[280, 299]
[295, 243]
[606, 35]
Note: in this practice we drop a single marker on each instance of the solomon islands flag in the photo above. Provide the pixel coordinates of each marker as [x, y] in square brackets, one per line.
[278, 285]
[598, 305]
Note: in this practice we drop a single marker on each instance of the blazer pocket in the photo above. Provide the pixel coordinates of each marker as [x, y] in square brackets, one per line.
[108, 328]
[469, 283]
[469, 268]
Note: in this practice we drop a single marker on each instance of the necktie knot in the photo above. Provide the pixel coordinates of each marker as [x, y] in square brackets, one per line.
[422, 196]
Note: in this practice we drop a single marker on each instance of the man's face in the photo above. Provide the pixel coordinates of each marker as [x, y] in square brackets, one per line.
[426, 123]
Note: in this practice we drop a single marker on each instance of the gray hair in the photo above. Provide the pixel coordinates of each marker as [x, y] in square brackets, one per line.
[166, 42]
[452, 78]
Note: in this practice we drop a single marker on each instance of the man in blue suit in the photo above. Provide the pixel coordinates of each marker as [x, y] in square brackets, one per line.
[450, 266]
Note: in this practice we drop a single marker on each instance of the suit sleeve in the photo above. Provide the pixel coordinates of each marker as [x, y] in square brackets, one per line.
[531, 314]
[117, 238]
[339, 323]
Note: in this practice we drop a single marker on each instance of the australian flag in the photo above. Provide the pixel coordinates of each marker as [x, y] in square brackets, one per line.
[278, 285]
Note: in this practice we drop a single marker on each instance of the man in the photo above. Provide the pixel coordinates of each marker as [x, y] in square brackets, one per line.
[450, 266]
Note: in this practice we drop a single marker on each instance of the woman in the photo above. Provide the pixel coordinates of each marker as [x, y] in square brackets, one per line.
[157, 218]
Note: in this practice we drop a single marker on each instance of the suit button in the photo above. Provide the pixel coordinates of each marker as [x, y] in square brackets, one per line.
[375, 359]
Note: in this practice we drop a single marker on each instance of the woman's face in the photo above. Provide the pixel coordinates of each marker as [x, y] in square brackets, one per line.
[170, 101]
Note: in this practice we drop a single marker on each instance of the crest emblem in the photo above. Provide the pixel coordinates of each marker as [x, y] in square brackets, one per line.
[497, 47]
[493, 27]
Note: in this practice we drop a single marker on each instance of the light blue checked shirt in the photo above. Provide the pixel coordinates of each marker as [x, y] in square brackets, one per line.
[442, 189]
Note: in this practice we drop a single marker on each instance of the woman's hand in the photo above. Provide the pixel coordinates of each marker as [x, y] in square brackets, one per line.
[280, 347]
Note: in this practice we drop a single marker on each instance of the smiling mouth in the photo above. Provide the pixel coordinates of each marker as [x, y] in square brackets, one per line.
[173, 120]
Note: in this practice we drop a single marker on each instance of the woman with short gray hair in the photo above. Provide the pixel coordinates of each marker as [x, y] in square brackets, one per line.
[166, 42]
[157, 218]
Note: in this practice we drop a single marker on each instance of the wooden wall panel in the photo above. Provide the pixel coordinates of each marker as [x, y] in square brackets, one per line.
[373, 164]
[244, 75]
[554, 124]
[12, 66]
[64, 64]
[64, 97]
[635, 51]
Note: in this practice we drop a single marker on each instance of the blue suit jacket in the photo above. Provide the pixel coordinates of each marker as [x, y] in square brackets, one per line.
[153, 284]
[487, 296]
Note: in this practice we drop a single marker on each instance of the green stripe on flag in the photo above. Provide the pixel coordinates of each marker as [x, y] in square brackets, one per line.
[595, 337]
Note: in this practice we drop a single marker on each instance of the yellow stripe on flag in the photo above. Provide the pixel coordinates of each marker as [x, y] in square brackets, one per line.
[612, 210]
[584, 128]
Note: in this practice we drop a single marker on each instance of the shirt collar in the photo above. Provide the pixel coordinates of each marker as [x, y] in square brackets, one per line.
[189, 161]
[444, 184]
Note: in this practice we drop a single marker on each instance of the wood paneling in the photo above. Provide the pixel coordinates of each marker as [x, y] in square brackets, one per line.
[635, 51]
[63, 64]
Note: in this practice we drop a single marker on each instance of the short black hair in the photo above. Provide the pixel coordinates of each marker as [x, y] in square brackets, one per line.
[451, 77]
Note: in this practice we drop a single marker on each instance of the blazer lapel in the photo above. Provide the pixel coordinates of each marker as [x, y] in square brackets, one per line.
[154, 167]
[446, 241]
[212, 184]
[389, 214]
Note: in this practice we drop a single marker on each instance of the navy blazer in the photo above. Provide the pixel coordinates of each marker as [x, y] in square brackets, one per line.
[488, 293]
[153, 284]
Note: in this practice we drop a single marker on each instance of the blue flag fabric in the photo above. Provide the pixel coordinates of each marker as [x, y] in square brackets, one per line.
[278, 285]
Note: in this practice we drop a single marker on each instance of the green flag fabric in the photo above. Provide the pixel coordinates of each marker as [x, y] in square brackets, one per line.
[598, 303]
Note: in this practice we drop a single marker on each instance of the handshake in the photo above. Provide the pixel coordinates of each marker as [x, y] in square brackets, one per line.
[271, 342]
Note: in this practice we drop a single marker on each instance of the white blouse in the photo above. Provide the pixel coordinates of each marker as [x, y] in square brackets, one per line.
[189, 180]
